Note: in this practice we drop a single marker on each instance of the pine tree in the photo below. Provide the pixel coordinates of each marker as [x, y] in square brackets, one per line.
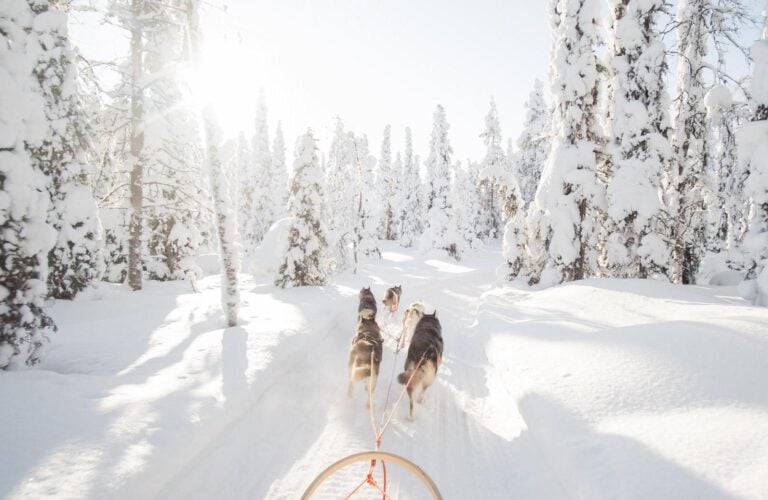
[174, 214]
[438, 191]
[25, 236]
[467, 211]
[342, 187]
[753, 155]
[698, 21]
[412, 203]
[261, 216]
[569, 195]
[730, 212]
[493, 176]
[640, 149]
[368, 202]
[533, 144]
[305, 261]
[386, 186]
[75, 260]
[279, 176]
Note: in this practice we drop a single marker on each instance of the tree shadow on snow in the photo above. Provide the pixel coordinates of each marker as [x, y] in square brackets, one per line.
[590, 464]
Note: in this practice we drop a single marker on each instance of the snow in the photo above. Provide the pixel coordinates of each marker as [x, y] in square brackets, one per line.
[594, 389]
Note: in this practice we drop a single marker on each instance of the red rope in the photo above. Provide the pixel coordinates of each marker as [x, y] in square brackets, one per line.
[369, 478]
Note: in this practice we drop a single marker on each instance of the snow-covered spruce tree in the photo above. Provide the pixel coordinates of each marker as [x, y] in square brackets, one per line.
[261, 216]
[533, 145]
[731, 210]
[368, 202]
[493, 176]
[342, 188]
[25, 236]
[698, 21]
[639, 127]
[241, 166]
[438, 189]
[467, 210]
[411, 200]
[75, 260]
[386, 182]
[279, 176]
[569, 195]
[305, 261]
[753, 154]
[175, 215]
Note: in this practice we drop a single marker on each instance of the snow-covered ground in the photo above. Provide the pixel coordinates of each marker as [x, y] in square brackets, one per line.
[595, 389]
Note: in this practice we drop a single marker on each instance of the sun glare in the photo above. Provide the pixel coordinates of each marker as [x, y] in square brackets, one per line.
[225, 81]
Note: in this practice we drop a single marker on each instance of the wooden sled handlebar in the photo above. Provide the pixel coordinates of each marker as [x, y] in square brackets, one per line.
[367, 456]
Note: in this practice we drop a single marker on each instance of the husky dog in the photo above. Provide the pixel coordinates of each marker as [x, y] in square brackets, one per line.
[392, 298]
[367, 307]
[411, 317]
[365, 354]
[426, 353]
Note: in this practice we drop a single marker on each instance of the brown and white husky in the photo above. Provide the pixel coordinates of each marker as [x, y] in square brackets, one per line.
[365, 355]
[392, 298]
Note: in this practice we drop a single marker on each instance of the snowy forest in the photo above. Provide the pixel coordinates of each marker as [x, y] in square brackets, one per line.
[121, 187]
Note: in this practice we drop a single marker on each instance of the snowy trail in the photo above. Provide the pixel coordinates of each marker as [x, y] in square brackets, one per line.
[454, 437]
[622, 389]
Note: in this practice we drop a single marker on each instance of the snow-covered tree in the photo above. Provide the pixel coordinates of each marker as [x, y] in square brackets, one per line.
[342, 188]
[75, 260]
[466, 204]
[305, 261]
[387, 186]
[493, 176]
[438, 188]
[698, 21]
[368, 201]
[215, 158]
[279, 176]
[569, 195]
[261, 215]
[727, 217]
[533, 145]
[753, 154]
[25, 236]
[173, 188]
[639, 147]
[411, 199]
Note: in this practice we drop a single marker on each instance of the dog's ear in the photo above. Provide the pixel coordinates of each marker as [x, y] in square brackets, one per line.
[434, 314]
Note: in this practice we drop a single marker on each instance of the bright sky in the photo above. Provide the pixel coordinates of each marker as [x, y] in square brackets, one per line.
[375, 63]
[379, 63]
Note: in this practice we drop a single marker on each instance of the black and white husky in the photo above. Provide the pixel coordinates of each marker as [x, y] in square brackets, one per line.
[367, 307]
[424, 357]
[392, 298]
[365, 354]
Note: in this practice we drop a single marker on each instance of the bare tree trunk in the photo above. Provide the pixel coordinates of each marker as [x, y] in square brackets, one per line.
[225, 227]
[137, 144]
[225, 222]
